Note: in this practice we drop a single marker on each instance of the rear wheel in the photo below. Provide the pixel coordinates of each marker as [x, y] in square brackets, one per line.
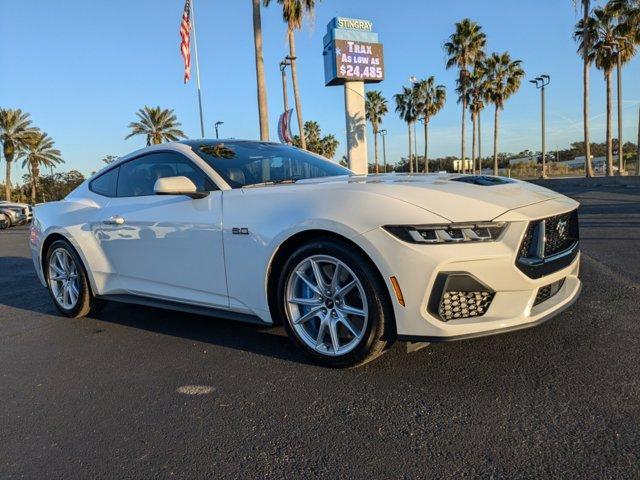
[335, 305]
[67, 281]
[4, 221]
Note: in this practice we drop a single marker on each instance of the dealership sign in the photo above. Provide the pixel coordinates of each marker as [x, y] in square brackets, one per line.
[353, 24]
[352, 52]
[359, 60]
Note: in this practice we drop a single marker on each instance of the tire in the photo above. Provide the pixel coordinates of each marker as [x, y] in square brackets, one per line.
[85, 302]
[4, 221]
[358, 320]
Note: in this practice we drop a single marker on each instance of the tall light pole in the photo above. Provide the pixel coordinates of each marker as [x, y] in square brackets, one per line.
[216, 126]
[283, 70]
[541, 82]
[383, 134]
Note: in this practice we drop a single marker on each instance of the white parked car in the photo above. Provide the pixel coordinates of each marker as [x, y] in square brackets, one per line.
[22, 208]
[12, 216]
[5, 219]
[269, 233]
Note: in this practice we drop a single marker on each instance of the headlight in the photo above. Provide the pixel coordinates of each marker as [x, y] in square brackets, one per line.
[448, 233]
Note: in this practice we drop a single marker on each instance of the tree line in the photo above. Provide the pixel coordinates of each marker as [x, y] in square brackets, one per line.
[23, 141]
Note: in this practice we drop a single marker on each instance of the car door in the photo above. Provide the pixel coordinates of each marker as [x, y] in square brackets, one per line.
[165, 246]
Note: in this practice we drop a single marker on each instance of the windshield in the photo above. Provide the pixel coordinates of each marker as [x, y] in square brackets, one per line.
[245, 163]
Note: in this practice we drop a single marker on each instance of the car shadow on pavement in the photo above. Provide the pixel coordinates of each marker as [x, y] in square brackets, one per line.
[262, 340]
[21, 289]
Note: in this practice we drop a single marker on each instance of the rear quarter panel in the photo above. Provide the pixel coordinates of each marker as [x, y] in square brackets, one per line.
[72, 219]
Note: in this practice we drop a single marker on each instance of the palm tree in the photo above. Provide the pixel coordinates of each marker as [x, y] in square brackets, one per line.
[158, 124]
[469, 90]
[430, 99]
[316, 143]
[292, 13]
[406, 108]
[329, 146]
[465, 46]
[15, 130]
[602, 33]
[503, 80]
[375, 110]
[39, 152]
[585, 46]
[263, 111]
[477, 97]
[627, 35]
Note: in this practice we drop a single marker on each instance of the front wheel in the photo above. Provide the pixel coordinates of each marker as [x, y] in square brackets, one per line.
[335, 304]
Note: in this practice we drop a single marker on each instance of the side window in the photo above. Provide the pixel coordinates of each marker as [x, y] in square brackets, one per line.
[105, 184]
[187, 169]
[138, 177]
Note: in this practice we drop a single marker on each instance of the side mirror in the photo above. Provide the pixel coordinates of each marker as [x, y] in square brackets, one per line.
[177, 186]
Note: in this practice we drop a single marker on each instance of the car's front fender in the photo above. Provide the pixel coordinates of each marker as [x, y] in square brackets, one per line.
[272, 215]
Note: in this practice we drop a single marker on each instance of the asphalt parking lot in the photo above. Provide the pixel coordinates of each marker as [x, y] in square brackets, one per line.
[102, 398]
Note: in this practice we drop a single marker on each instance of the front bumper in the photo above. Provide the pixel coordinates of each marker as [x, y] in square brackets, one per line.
[513, 328]
[416, 268]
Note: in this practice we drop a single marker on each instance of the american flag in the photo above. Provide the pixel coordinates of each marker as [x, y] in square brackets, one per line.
[185, 39]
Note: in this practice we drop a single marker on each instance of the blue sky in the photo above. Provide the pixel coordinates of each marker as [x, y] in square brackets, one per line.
[83, 68]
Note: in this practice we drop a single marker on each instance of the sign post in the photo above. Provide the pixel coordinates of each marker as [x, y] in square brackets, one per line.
[352, 57]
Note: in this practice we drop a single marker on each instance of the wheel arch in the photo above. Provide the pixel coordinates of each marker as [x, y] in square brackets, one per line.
[298, 239]
[46, 244]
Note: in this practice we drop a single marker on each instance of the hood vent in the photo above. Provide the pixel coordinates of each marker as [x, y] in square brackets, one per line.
[483, 180]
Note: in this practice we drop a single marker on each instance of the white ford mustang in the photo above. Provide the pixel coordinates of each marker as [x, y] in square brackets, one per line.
[268, 233]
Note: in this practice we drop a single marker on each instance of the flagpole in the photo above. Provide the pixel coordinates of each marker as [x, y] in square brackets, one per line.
[195, 48]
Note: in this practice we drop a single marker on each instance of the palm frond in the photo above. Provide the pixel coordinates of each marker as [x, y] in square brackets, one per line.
[157, 124]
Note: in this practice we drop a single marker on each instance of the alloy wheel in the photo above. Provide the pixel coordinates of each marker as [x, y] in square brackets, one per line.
[326, 305]
[63, 278]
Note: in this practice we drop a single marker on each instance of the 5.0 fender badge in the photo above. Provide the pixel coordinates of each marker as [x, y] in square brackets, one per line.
[240, 231]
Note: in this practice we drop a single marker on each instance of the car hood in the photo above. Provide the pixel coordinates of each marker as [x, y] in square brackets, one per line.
[459, 198]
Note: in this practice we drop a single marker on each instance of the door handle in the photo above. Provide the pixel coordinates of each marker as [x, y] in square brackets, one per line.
[114, 220]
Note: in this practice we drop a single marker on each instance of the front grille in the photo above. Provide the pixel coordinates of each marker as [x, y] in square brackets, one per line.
[455, 305]
[527, 241]
[548, 291]
[549, 244]
[560, 232]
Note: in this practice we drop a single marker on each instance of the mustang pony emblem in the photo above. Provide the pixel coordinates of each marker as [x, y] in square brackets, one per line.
[561, 228]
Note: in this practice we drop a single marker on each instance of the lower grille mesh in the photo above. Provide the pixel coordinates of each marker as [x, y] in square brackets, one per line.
[548, 291]
[456, 305]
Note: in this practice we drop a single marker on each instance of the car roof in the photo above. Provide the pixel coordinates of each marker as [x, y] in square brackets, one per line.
[191, 144]
[226, 141]
[181, 146]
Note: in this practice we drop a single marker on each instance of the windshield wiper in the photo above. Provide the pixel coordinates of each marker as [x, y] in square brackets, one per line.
[271, 182]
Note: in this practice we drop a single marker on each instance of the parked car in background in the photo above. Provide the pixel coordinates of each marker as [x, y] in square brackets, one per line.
[4, 220]
[271, 234]
[23, 208]
[601, 167]
[14, 215]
